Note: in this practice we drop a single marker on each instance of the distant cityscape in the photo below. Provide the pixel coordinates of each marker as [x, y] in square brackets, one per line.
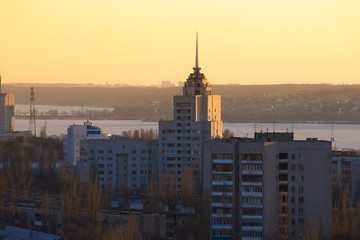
[190, 179]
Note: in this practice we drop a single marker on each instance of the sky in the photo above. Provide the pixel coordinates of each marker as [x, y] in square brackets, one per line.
[146, 42]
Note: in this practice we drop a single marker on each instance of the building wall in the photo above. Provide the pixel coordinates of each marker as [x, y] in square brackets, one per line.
[71, 141]
[345, 172]
[121, 161]
[278, 186]
[7, 109]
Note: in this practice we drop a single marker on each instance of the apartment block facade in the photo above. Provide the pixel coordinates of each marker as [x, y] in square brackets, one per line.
[120, 162]
[267, 189]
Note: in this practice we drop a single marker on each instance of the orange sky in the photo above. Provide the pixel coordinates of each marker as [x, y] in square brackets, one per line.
[146, 42]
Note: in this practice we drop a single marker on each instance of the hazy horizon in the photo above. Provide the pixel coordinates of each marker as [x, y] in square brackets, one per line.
[145, 43]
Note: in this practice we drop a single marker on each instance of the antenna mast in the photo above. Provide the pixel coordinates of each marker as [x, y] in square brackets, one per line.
[32, 123]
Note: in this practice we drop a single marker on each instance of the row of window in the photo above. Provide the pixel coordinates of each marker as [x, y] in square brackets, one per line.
[222, 178]
[225, 156]
[222, 167]
[222, 199]
[252, 211]
[222, 188]
[221, 221]
[252, 200]
[252, 189]
[251, 234]
[252, 167]
[221, 232]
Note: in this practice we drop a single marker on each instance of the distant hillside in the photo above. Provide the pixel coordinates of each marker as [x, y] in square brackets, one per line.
[240, 103]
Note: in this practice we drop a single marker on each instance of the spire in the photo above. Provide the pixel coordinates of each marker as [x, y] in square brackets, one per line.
[197, 68]
[197, 52]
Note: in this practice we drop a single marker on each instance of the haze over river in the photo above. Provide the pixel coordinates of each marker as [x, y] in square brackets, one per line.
[345, 135]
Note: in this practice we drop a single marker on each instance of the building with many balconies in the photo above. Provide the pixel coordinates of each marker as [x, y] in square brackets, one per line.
[268, 187]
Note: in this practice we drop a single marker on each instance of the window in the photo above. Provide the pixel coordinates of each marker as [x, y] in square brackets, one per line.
[283, 156]
[301, 178]
[301, 221]
[301, 167]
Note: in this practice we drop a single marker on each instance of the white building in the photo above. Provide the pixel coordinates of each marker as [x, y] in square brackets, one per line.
[71, 141]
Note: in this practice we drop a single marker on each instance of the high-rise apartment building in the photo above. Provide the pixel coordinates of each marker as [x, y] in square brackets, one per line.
[197, 118]
[268, 187]
[7, 109]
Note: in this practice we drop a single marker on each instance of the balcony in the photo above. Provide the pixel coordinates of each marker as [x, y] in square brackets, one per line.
[252, 172]
[251, 183]
[220, 172]
[252, 217]
[222, 161]
[252, 238]
[222, 183]
[226, 194]
[251, 205]
[221, 204]
[223, 215]
[252, 228]
[251, 194]
[218, 226]
[253, 162]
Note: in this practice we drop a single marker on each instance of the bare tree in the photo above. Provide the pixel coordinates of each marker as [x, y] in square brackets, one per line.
[187, 197]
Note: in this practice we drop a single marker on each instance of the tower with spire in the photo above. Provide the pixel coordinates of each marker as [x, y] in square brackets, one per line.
[197, 118]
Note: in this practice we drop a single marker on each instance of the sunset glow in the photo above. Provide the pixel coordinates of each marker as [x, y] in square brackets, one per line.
[146, 42]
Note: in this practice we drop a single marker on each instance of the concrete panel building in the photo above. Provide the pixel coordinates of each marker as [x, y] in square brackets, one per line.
[266, 189]
[120, 161]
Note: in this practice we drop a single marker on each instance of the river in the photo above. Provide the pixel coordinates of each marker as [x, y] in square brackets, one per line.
[345, 135]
